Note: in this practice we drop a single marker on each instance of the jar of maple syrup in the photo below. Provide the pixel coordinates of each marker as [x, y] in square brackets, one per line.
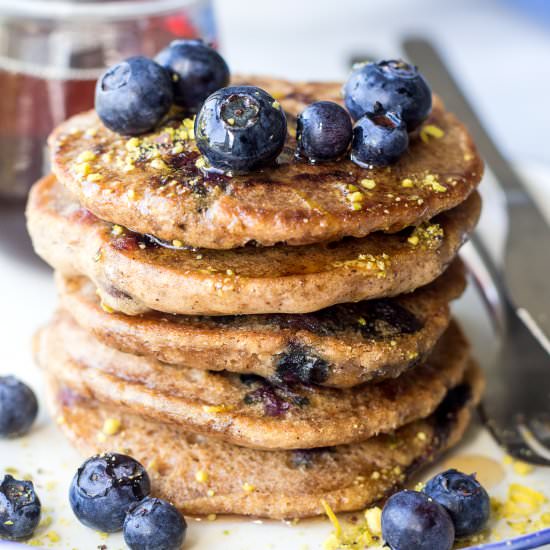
[51, 54]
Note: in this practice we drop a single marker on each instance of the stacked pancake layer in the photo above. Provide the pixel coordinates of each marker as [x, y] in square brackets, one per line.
[266, 341]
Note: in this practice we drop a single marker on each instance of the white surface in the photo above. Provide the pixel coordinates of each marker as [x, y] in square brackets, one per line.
[28, 300]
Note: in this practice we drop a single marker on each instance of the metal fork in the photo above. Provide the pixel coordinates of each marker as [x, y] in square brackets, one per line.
[516, 403]
[516, 406]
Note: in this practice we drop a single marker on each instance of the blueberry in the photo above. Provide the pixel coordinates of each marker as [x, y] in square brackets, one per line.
[240, 128]
[379, 139]
[105, 487]
[197, 71]
[18, 407]
[323, 131]
[19, 509]
[394, 85]
[414, 521]
[132, 97]
[463, 497]
[299, 364]
[154, 524]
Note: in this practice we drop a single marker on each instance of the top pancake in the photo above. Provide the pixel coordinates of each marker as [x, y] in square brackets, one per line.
[154, 185]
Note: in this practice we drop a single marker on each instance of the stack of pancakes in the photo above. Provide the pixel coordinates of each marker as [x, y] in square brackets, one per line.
[260, 342]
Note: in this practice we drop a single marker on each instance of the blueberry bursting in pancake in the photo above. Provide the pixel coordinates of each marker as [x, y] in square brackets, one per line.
[340, 346]
[248, 410]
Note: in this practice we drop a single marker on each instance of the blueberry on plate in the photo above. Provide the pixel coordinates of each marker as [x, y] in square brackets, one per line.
[197, 71]
[133, 96]
[463, 497]
[413, 521]
[323, 131]
[240, 128]
[18, 407]
[104, 488]
[379, 139]
[394, 85]
[19, 509]
[154, 524]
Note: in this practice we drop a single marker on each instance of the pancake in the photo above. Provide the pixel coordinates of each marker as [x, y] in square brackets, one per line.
[152, 184]
[134, 275]
[249, 410]
[280, 484]
[340, 346]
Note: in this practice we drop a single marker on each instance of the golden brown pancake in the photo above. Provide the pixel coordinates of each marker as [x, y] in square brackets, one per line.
[273, 484]
[153, 185]
[340, 346]
[249, 410]
[135, 275]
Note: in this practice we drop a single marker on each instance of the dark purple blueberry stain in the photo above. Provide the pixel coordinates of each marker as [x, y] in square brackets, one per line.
[299, 364]
[276, 400]
[374, 319]
[67, 397]
[445, 415]
[116, 292]
[305, 458]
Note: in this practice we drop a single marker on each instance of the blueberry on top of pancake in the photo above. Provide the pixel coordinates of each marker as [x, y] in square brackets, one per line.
[157, 183]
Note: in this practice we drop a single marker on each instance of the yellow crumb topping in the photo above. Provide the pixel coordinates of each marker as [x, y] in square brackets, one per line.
[521, 468]
[354, 536]
[86, 156]
[356, 196]
[217, 408]
[368, 183]
[83, 168]
[201, 476]
[430, 180]
[374, 520]
[378, 264]
[111, 426]
[106, 308]
[427, 236]
[429, 131]
[53, 536]
[248, 488]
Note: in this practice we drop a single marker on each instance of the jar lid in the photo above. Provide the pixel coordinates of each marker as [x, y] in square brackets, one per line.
[95, 9]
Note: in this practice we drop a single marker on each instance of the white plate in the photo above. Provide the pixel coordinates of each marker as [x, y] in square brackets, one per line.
[28, 300]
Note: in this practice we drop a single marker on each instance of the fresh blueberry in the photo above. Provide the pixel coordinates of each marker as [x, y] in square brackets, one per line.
[197, 71]
[105, 487]
[463, 497]
[394, 85]
[19, 509]
[132, 97]
[154, 524]
[18, 407]
[240, 128]
[414, 521]
[379, 139]
[323, 131]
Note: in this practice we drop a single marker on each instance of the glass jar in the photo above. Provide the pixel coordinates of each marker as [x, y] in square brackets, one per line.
[51, 54]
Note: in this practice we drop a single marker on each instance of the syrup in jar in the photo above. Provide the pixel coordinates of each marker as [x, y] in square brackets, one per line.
[51, 54]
